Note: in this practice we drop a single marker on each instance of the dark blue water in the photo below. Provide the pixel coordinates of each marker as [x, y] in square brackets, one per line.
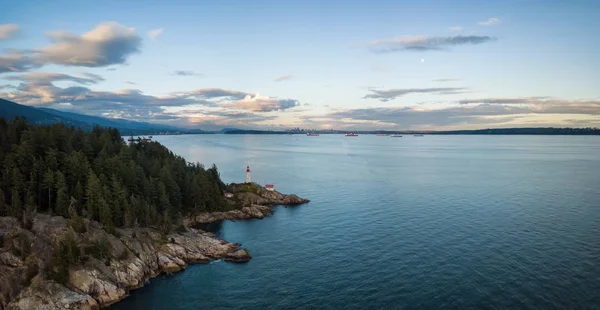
[455, 222]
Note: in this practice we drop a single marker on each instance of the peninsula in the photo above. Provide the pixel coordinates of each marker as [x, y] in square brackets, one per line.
[85, 218]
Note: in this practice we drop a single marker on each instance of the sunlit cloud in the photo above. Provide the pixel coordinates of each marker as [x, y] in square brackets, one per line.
[490, 21]
[7, 31]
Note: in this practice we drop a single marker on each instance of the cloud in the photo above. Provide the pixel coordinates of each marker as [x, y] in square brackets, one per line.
[491, 21]
[446, 80]
[154, 34]
[111, 69]
[45, 78]
[424, 43]
[215, 93]
[7, 31]
[391, 94]
[16, 61]
[284, 77]
[541, 104]
[108, 44]
[199, 107]
[464, 115]
[455, 28]
[131, 83]
[258, 103]
[186, 73]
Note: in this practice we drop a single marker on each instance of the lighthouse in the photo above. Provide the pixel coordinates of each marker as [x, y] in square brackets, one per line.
[248, 179]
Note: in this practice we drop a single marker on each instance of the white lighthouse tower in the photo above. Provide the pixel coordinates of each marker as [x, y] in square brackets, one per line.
[248, 179]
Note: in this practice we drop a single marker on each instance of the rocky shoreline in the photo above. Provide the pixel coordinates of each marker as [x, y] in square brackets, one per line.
[127, 259]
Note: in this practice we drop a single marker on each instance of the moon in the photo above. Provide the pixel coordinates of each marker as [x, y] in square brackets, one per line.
[422, 59]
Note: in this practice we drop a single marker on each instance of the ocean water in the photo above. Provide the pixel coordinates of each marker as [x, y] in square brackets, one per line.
[434, 222]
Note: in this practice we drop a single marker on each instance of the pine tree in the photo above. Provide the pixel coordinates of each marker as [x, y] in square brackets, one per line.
[62, 197]
[94, 195]
[106, 215]
[49, 185]
[79, 195]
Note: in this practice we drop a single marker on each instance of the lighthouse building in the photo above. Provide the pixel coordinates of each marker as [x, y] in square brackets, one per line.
[248, 178]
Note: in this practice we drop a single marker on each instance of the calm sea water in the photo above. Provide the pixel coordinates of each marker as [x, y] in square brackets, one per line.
[453, 222]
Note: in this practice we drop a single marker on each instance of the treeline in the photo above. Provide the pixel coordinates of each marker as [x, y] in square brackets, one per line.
[95, 174]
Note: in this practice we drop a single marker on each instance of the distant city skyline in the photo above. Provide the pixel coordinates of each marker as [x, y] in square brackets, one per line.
[363, 65]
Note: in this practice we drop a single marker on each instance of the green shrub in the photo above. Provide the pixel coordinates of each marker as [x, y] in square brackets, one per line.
[99, 248]
[66, 253]
[78, 224]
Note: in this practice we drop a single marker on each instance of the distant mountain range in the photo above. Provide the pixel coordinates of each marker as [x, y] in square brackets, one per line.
[45, 116]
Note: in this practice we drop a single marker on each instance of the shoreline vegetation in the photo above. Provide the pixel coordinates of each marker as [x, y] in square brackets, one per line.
[86, 218]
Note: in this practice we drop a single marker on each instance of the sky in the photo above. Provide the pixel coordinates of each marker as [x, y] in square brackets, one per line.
[378, 64]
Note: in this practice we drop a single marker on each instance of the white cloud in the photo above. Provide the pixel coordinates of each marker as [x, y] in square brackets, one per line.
[491, 21]
[7, 31]
[455, 28]
[109, 43]
[154, 34]
[284, 77]
[424, 43]
[258, 103]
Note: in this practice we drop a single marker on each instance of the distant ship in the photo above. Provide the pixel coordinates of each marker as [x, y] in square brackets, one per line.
[418, 135]
[382, 134]
[351, 135]
[312, 134]
[396, 136]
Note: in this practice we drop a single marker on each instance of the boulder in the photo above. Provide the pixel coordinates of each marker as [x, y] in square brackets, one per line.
[239, 256]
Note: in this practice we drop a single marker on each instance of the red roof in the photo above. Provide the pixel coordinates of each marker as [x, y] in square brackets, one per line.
[269, 185]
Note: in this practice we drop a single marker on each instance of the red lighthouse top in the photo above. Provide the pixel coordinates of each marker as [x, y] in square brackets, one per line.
[247, 168]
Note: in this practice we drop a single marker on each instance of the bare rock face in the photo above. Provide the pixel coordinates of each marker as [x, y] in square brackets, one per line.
[248, 194]
[95, 283]
[132, 258]
[239, 256]
[51, 295]
[10, 260]
[252, 211]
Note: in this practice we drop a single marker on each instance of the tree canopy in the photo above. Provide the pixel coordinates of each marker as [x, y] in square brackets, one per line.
[98, 175]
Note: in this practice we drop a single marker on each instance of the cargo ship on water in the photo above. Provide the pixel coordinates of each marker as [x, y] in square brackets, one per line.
[312, 134]
[351, 135]
[382, 134]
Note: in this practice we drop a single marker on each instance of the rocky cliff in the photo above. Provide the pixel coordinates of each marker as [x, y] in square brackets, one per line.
[109, 266]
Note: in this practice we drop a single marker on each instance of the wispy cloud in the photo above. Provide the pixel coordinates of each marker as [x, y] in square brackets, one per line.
[540, 104]
[491, 21]
[186, 73]
[455, 28]
[445, 80]
[424, 43]
[495, 112]
[130, 83]
[284, 77]
[391, 94]
[46, 78]
[154, 34]
[16, 61]
[7, 31]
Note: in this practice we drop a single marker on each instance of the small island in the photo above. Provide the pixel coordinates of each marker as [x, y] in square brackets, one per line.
[86, 218]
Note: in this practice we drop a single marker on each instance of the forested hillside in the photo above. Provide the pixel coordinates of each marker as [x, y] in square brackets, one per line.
[71, 172]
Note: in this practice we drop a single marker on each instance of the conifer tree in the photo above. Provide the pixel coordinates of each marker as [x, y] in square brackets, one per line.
[49, 185]
[62, 197]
